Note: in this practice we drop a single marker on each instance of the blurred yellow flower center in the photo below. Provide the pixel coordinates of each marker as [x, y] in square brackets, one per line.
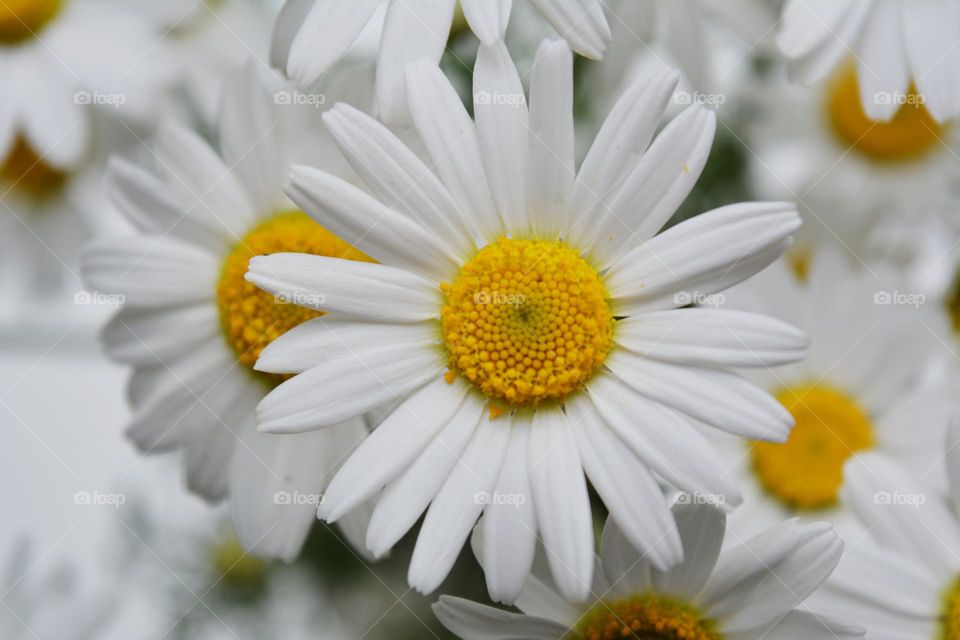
[24, 171]
[950, 613]
[526, 321]
[235, 567]
[953, 303]
[23, 19]
[910, 134]
[806, 472]
[648, 617]
[252, 318]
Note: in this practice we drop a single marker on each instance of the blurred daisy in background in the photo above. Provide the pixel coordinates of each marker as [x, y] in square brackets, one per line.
[192, 327]
[902, 580]
[755, 589]
[871, 381]
[312, 35]
[37, 603]
[898, 48]
[512, 306]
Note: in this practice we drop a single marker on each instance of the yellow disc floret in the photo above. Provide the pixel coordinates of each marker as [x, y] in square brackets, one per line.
[647, 617]
[806, 472]
[526, 321]
[252, 318]
[911, 134]
[24, 19]
[24, 171]
[235, 567]
[950, 613]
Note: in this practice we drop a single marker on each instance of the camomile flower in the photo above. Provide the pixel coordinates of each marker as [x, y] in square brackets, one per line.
[38, 602]
[899, 47]
[312, 35]
[867, 384]
[518, 309]
[902, 580]
[752, 590]
[192, 327]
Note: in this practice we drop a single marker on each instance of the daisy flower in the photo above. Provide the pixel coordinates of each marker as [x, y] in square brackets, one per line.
[37, 604]
[899, 48]
[312, 35]
[866, 384]
[518, 311]
[855, 176]
[192, 327]
[902, 580]
[749, 591]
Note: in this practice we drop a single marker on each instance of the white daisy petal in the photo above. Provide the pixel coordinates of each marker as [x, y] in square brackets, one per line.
[346, 387]
[327, 32]
[142, 336]
[806, 24]
[712, 338]
[561, 503]
[631, 494]
[719, 398]
[817, 62]
[703, 255]
[882, 66]
[701, 530]
[509, 516]
[206, 463]
[364, 222]
[502, 128]
[404, 500]
[952, 461]
[413, 29]
[397, 176]
[550, 162]
[663, 439]
[392, 446]
[629, 572]
[450, 137]
[372, 291]
[289, 20]
[806, 625]
[582, 24]
[487, 18]
[456, 507]
[619, 145]
[930, 34]
[472, 621]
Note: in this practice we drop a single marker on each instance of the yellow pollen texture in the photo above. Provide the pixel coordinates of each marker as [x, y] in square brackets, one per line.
[27, 173]
[646, 617]
[806, 472]
[252, 318]
[526, 321]
[909, 135]
[950, 615]
[23, 19]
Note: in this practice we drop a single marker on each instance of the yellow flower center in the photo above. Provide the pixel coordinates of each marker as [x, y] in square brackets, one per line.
[911, 133]
[950, 616]
[953, 303]
[806, 472]
[235, 567]
[646, 617]
[526, 321]
[24, 171]
[24, 19]
[252, 318]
